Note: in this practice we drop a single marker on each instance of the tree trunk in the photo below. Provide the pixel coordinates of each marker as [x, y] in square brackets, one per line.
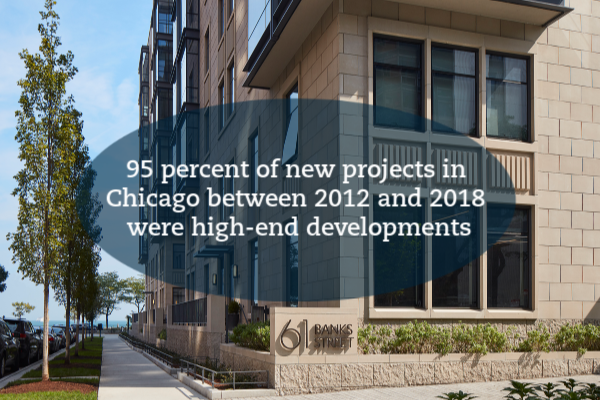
[106, 327]
[83, 336]
[45, 369]
[68, 330]
[77, 334]
[92, 330]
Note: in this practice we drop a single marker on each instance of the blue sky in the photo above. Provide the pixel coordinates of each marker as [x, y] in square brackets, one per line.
[105, 37]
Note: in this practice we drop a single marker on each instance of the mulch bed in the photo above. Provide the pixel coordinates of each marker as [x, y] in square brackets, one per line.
[75, 365]
[50, 386]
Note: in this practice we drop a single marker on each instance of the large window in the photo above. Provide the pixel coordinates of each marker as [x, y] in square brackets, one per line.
[508, 257]
[454, 80]
[507, 101]
[254, 163]
[290, 145]
[398, 83]
[455, 261]
[178, 256]
[291, 275]
[221, 105]
[178, 295]
[164, 61]
[231, 89]
[259, 16]
[221, 18]
[254, 271]
[399, 266]
[164, 17]
[207, 129]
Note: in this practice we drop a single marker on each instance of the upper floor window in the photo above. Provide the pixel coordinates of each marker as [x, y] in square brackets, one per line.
[398, 73]
[254, 163]
[206, 51]
[206, 129]
[221, 18]
[178, 256]
[164, 18]
[507, 101]
[164, 61]
[454, 90]
[230, 7]
[231, 89]
[221, 105]
[290, 145]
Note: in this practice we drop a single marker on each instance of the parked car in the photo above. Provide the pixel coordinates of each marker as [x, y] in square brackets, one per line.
[53, 341]
[71, 331]
[29, 342]
[59, 333]
[9, 349]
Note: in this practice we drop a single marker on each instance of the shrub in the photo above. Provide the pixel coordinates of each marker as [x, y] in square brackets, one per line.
[256, 336]
[163, 335]
[479, 339]
[233, 307]
[577, 338]
[537, 340]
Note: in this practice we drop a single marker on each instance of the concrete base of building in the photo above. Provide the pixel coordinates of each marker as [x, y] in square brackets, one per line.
[314, 374]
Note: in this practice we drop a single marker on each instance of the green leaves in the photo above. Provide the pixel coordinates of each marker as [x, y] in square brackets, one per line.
[22, 308]
[256, 335]
[421, 337]
[460, 395]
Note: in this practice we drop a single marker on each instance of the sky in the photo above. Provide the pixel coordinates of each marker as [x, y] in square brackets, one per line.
[105, 37]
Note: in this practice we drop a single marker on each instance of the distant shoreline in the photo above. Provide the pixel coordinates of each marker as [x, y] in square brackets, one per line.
[111, 324]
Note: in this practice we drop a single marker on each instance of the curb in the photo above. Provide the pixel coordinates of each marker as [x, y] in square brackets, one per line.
[210, 393]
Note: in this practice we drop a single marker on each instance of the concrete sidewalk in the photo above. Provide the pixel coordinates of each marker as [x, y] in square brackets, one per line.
[126, 374]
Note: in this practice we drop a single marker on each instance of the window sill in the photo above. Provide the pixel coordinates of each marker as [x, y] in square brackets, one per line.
[450, 313]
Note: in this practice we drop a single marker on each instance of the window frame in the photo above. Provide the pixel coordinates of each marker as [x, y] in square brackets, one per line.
[530, 243]
[530, 78]
[423, 95]
[477, 77]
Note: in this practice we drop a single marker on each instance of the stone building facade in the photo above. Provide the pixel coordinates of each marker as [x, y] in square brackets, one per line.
[545, 54]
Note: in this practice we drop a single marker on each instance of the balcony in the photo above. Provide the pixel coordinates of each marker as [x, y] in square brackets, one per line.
[287, 23]
[192, 312]
[284, 25]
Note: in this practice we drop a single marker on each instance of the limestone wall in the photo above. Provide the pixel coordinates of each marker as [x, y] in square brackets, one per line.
[327, 374]
[193, 342]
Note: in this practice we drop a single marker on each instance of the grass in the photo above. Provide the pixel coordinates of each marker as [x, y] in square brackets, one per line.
[76, 360]
[51, 396]
[92, 349]
[63, 372]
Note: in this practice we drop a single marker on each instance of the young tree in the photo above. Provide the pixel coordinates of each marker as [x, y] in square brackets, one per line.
[47, 124]
[22, 308]
[3, 278]
[133, 292]
[85, 271]
[110, 289]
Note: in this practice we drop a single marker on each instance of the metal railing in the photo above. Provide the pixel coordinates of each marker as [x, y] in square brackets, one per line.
[190, 312]
[205, 372]
[162, 356]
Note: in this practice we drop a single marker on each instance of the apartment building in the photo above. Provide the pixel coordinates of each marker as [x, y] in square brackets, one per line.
[512, 84]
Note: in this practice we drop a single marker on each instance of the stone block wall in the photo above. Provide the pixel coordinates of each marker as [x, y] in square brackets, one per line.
[193, 342]
[406, 369]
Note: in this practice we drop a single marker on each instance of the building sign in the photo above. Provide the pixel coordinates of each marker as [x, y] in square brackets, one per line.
[308, 331]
